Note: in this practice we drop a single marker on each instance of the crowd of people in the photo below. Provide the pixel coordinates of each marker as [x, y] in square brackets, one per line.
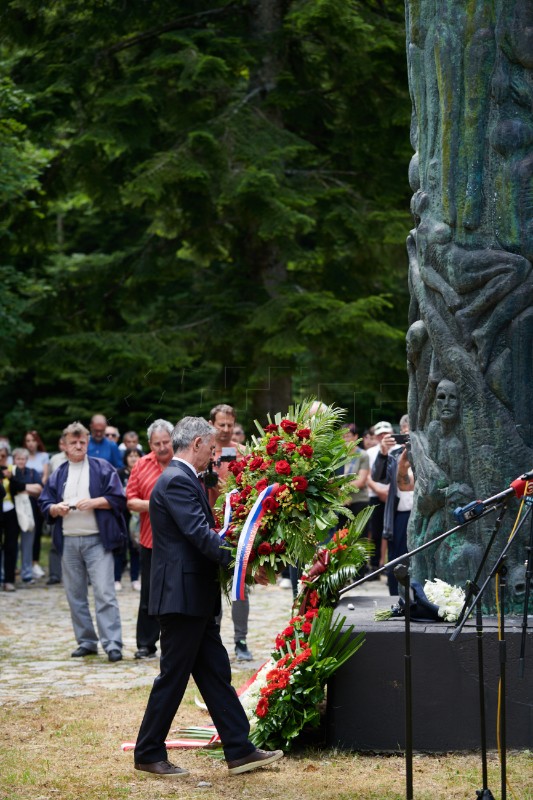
[109, 504]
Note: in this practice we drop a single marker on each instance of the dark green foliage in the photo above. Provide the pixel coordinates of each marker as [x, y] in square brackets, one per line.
[209, 202]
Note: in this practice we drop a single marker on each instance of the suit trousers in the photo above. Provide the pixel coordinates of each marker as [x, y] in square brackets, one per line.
[192, 646]
[147, 626]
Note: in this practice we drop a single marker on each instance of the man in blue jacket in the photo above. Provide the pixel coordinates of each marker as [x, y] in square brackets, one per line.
[84, 501]
[185, 595]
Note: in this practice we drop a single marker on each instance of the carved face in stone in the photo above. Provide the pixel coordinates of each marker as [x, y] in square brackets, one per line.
[447, 401]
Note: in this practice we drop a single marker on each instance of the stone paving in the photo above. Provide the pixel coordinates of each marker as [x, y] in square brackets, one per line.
[36, 641]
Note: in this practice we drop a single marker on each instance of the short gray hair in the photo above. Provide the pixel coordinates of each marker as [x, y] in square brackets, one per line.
[188, 429]
[404, 421]
[159, 424]
[76, 429]
[20, 451]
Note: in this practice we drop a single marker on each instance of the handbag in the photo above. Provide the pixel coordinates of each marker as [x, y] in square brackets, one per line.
[24, 511]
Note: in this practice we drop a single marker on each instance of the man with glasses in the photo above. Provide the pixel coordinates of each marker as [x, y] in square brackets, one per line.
[85, 502]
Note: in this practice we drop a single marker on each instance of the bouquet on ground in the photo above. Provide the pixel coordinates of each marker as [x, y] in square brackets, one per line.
[286, 493]
[436, 600]
[287, 693]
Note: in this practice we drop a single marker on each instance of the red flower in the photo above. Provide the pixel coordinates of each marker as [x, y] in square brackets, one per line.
[311, 614]
[306, 627]
[239, 511]
[282, 661]
[253, 555]
[245, 493]
[261, 484]
[235, 467]
[283, 680]
[238, 479]
[272, 446]
[271, 428]
[264, 549]
[265, 465]
[305, 450]
[283, 468]
[288, 426]
[255, 463]
[289, 446]
[292, 644]
[299, 482]
[288, 631]
[313, 599]
[235, 499]
[262, 707]
[279, 643]
[281, 488]
[303, 433]
[270, 504]
[279, 547]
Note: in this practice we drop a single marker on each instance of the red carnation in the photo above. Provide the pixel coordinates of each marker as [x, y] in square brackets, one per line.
[306, 627]
[299, 482]
[292, 644]
[283, 468]
[270, 504]
[288, 426]
[261, 484]
[311, 614]
[279, 547]
[264, 549]
[289, 447]
[262, 707]
[280, 642]
[288, 631]
[272, 428]
[303, 433]
[305, 450]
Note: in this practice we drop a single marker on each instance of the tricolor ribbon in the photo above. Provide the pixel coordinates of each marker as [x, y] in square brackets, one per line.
[246, 542]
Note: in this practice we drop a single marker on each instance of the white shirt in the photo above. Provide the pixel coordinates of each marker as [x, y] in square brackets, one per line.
[78, 523]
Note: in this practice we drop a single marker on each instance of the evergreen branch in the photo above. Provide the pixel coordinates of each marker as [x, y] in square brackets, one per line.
[176, 24]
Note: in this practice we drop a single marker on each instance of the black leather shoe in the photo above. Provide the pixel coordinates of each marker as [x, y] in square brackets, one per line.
[259, 758]
[144, 652]
[52, 581]
[81, 652]
[114, 655]
[162, 769]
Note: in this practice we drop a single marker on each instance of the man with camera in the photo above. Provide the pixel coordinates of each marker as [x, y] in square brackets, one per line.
[222, 418]
[392, 467]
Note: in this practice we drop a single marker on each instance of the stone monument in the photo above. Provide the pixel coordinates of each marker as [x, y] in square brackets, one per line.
[470, 338]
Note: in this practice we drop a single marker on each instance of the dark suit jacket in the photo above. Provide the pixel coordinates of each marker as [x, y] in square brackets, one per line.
[187, 553]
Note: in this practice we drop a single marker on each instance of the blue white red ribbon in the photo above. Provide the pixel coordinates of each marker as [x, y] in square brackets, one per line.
[246, 542]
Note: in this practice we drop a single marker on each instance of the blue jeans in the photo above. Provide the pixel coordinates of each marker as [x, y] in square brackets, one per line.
[26, 555]
[84, 559]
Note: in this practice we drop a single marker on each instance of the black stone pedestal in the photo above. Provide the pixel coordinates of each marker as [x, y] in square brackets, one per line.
[365, 708]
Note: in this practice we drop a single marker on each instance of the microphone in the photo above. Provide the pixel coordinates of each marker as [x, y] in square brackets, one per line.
[518, 488]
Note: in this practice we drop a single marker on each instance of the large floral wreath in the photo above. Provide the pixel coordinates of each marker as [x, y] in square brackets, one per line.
[286, 493]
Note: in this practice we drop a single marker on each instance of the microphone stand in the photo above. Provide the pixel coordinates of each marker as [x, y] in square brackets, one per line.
[500, 569]
[402, 574]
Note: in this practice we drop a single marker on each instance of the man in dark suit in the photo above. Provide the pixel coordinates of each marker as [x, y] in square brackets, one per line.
[185, 595]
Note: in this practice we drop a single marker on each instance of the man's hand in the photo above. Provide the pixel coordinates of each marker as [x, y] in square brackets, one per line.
[387, 443]
[261, 576]
[60, 509]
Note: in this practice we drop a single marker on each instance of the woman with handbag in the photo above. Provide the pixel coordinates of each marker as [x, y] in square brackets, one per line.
[26, 486]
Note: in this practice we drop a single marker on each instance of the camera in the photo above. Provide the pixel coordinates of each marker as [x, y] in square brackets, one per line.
[400, 438]
[210, 475]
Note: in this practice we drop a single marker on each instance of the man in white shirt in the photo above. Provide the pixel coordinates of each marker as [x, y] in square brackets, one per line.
[85, 501]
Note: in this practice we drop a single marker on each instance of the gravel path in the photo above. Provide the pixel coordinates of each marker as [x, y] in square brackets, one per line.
[36, 640]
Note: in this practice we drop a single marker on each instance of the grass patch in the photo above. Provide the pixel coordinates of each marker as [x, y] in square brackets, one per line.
[69, 749]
